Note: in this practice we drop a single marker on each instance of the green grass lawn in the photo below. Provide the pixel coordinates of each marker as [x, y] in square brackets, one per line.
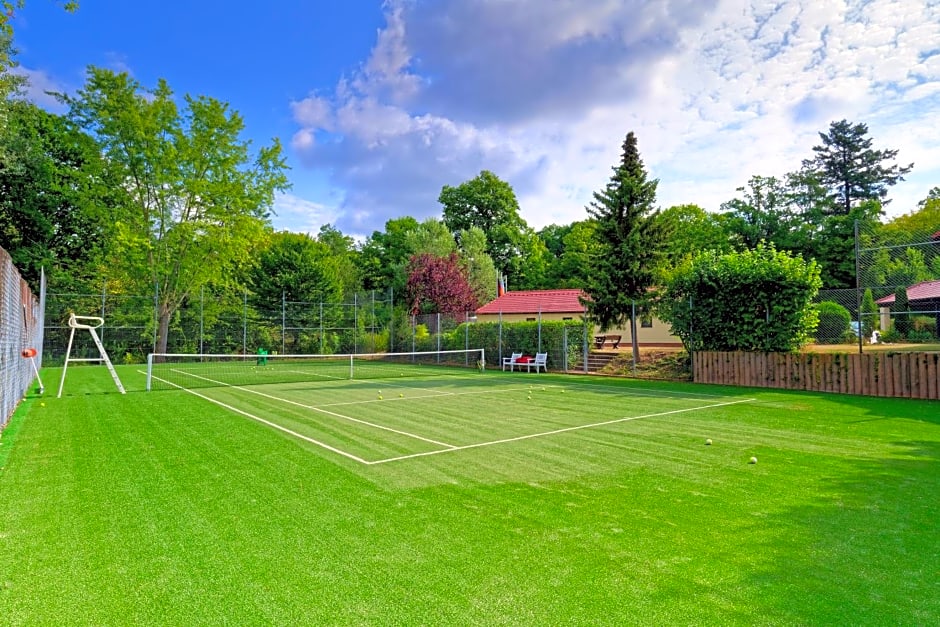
[166, 508]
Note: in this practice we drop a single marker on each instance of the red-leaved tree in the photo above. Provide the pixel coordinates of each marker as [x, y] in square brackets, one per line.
[439, 285]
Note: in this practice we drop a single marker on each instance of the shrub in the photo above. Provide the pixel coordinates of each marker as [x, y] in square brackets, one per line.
[834, 323]
[754, 300]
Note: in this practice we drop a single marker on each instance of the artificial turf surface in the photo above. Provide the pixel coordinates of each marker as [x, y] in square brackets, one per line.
[163, 508]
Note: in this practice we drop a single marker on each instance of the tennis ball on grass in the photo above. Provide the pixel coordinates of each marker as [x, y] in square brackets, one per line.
[42, 404]
[753, 460]
[380, 397]
[400, 395]
[708, 442]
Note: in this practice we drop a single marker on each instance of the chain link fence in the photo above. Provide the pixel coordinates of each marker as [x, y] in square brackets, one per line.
[21, 327]
[221, 323]
[897, 298]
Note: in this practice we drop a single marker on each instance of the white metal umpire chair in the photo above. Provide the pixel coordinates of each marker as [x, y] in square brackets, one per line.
[91, 323]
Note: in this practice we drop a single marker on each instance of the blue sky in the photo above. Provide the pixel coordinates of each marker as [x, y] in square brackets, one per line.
[380, 104]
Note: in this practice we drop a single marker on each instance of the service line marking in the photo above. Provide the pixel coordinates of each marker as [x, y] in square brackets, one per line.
[554, 432]
[324, 411]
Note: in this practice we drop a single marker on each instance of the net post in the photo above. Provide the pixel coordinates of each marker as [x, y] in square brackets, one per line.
[482, 359]
[351, 373]
[149, 369]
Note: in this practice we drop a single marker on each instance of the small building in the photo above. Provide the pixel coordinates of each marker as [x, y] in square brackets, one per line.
[535, 305]
[923, 299]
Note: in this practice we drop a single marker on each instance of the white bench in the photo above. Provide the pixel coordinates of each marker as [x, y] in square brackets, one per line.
[540, 361]
[511, 361]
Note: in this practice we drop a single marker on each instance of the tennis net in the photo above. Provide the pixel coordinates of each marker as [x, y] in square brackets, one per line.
[167, 371]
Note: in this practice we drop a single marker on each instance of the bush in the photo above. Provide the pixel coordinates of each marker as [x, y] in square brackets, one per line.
[754, 300]
[891, 337]
[921, 337]
[834, 323]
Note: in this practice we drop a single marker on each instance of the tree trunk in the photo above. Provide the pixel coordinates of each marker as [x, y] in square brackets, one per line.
[163, 327]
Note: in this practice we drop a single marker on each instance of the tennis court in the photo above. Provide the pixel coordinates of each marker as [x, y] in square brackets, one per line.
[291, 490]
[393, 412]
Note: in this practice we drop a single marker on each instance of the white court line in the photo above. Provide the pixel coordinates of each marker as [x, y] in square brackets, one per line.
[322, 411]
[425, 396]
[268, 423]
[451, 448]
[553, 432]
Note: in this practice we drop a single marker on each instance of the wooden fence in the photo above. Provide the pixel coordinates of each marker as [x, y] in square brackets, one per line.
[905, 375]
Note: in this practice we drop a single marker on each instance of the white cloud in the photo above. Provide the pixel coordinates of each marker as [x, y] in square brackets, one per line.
[40, 87]
[300, 215]
[542, 94]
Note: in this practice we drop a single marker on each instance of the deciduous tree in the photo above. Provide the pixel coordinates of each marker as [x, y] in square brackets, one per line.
[489, 203]
[439, 285]
[197, 199]
[56, 193]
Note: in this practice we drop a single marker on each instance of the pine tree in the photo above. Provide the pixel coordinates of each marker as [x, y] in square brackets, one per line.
[631, 242]
[848, 166]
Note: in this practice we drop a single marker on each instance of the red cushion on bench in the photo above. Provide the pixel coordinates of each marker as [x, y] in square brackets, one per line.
[524, 359]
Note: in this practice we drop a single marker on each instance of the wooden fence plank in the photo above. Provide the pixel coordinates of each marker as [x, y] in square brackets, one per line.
[908, 375]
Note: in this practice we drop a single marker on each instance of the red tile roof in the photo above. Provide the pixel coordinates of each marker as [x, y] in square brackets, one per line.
[925, 290]
[535, 301]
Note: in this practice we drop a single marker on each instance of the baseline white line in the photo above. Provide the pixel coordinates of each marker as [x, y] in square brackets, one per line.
[553, 432]
[268, 423]
[322, 411]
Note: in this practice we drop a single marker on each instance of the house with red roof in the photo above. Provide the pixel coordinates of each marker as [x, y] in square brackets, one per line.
[535, 305]
[923, 298]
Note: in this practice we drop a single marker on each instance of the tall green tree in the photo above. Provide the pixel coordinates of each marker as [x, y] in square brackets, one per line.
[297, 268]
[197, 201]
[489, 203]
[480, 269]
[384, 255]
[431, 236]
[571, 266]
[763, 213]
[631, 243]
[847, 165]
[694, 229]
[56, 195]
[343, 250]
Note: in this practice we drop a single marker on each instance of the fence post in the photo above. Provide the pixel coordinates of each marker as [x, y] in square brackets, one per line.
[585, 346]
[858, 294]
[244, 322]
[355, 323]
[539, 350]
[202, 310]
[321, 324]
[283, 322]
[500, 343]
[634, 341]
[156, 313]
[564, 347]
[104, 291]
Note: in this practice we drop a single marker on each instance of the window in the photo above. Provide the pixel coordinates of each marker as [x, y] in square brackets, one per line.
[568, 318]
[530, 319]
